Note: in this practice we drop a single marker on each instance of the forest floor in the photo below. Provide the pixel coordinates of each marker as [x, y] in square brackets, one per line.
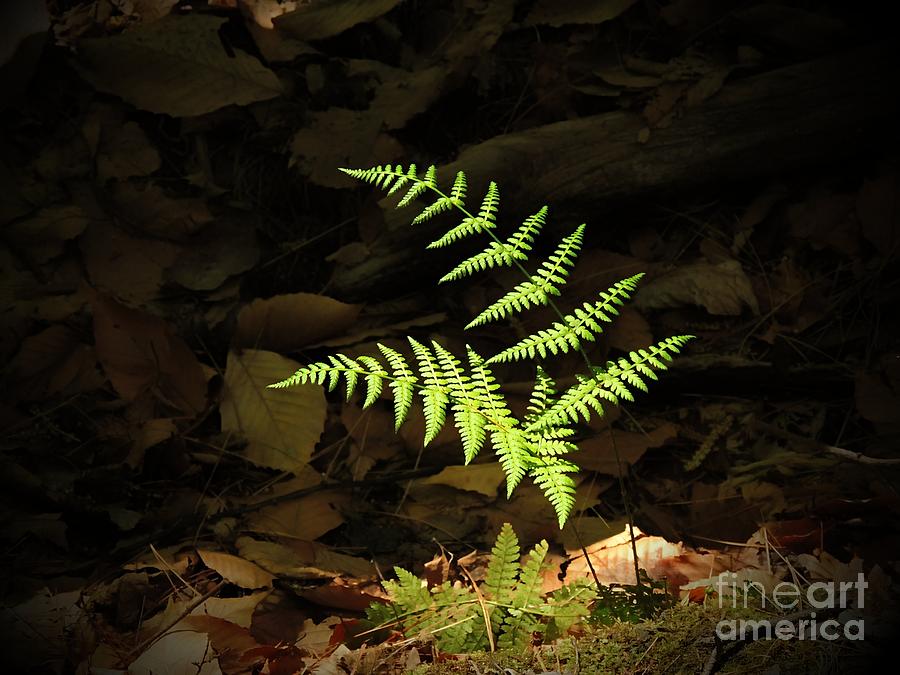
[176, 236]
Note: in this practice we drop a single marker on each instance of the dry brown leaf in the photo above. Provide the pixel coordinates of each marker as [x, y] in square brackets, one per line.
[876, 399]
[238, 571]
[629, 331]
[553, 13]
[125, 152]
[316, 20]
[177, 653]
[302, 559]
[53, 362]
[282, 426]
[238, 611]
[228, 640]
[131, 268]
[148, 209]
[878, 209]
[289, 322]
[213, 255]
[185, 69]
[597, 453]
[43, 235]
[306, 518]
[482, 478]
[140, 352]
[721, 289]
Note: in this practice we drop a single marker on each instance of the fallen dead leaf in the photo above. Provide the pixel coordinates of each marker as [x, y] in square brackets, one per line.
[548, 12]
[43, 235]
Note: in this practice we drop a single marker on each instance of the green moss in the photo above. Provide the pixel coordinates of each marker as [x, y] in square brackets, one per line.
[679, 640]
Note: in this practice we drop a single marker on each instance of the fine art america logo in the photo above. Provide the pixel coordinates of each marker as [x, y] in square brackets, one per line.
[786, 596]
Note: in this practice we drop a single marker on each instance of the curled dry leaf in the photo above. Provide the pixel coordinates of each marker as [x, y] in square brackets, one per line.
[124, 152]
[282, 426]
[238, 571]
[288, 322]
[140, 352]
[149, 209]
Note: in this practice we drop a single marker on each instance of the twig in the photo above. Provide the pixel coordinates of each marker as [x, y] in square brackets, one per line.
[484, 609]
[843, 453]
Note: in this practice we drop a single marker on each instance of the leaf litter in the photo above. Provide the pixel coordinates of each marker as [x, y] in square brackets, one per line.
[166, 512]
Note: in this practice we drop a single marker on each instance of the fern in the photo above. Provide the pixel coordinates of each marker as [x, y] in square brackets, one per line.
[511, 596]
[536, 446]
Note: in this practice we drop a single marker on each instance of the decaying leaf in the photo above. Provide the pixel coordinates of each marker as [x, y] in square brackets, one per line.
[597, 453]
[281, 425]
[306, 518]
[184, 67]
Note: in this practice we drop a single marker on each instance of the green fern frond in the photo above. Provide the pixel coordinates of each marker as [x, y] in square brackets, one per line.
[402, 385]
[498, 254]
[548, 279]
[514, 454]
[484, 221]
[520, 623]
[503, 567]
[609, 384]
[582, 324]
[551, 475]
[537, 444]
[435, 398]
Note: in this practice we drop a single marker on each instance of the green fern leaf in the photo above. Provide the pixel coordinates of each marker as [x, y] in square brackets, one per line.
[551, 474]
[521, 622]
[402, 386]
[434, 394]
[551, 275]
[513, 453]
[580, 325]
[502, 570]
[374, 379]
[419, 187]
[486, 219]
[498, 254]
[567, 606]
[608, 384]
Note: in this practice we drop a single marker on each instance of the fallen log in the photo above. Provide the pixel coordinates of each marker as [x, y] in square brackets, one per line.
[768, 124]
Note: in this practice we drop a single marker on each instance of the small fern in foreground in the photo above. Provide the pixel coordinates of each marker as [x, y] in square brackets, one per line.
[509, 604]
[537, 445]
